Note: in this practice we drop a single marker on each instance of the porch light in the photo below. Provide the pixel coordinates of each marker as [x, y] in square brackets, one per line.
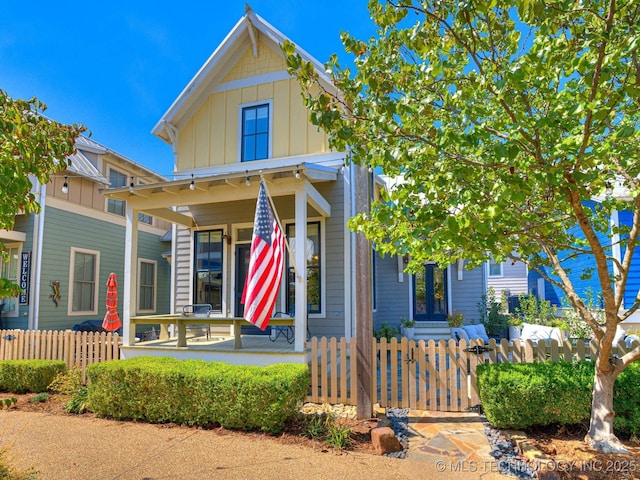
[247, 180]
[342, 169]
[192, 185]
[65, 185]
[131, 185]
[297, 172]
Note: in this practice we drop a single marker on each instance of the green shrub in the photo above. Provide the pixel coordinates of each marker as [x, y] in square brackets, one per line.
[68, 382]
[626, 401]
[24, 376]
[338, 435]
[315, 427]
[195, 392]
[527, 394]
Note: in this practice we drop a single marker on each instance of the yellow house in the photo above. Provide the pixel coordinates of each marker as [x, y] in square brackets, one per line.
[241, 120]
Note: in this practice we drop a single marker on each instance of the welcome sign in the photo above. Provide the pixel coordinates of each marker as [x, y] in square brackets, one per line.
[25, 267]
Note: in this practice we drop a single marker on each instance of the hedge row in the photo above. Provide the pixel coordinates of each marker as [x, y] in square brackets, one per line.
[522, 395]
[195, 392]
[25, 376]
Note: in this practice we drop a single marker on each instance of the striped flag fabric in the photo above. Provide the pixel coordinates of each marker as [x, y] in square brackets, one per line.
[266, 263]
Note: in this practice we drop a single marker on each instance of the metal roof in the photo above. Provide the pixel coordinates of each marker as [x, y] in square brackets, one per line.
[82, 166]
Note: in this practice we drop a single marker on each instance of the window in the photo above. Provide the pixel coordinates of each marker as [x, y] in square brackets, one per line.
[10, 271]
[147, 285]
[430, 294]
[144, 218]
[495, 269]
[255, 132]
[116, 179]
[208, 269]
[312, 252]
[85, 266]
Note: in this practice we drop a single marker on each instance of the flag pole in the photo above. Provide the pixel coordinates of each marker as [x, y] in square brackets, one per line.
[275, 214]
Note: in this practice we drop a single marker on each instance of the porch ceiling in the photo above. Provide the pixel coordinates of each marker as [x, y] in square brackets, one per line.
[157, 199]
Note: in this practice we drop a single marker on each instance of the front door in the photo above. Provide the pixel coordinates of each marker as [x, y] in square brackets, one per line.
[243, 253]
[430, 294]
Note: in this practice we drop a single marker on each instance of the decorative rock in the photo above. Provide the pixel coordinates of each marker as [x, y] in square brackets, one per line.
[385, 441]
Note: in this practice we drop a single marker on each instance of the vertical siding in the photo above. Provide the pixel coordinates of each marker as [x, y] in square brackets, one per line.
[281, 118]
[219, 128]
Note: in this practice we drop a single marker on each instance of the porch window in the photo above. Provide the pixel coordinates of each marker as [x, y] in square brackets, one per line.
[10, 271]
[85, 266]
[147, 285]
[430, 293]
[208, 269]
[312, 250]
[116, 179]
[255, 132]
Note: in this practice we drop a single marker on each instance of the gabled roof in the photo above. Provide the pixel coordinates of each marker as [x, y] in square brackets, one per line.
[245, 30]
[81, 165]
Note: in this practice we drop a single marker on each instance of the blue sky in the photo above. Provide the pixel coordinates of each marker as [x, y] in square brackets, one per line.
[117, 66]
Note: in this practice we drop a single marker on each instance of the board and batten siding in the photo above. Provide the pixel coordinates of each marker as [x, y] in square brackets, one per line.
[211, 135]
[64, 230]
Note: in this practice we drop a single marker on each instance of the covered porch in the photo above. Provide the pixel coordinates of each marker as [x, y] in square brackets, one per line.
[223, 202]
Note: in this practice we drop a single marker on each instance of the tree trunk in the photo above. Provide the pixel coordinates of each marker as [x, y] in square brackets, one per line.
[600, 436]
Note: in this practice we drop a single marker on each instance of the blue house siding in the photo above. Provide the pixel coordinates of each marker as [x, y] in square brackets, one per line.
[633, 283]
[580, 270]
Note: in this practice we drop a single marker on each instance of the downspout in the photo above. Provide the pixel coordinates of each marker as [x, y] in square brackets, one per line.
[38, 235]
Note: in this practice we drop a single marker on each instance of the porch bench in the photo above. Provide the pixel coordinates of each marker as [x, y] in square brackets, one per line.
[181, 321]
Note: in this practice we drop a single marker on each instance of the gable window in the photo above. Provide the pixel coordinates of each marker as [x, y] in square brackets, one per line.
[430, 293]
[147, 285]
[83, 281]
[10, 271]
[208, 269]
[116, 179]
[255, 132]
[495, 268]
[312, 250]
[144, 218]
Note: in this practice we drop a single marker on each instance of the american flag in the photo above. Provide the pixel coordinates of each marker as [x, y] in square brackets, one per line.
[265, 265]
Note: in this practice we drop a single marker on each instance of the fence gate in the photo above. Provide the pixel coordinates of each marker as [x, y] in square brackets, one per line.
[427, 375]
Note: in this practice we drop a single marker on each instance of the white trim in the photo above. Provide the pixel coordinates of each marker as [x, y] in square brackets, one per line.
[224, 307]
[489, 274]
[232, 265]
[449, 292]
[12, 236]
[155, 285]
[96, 277]
[250, 82]
[323, 266]
[36, 247]
[100, 215]
[241, 107]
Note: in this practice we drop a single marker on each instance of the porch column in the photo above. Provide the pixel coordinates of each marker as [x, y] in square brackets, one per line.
[301, 266]
[129, 293]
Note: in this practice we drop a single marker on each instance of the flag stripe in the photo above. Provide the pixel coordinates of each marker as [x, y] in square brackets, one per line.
[265, 265]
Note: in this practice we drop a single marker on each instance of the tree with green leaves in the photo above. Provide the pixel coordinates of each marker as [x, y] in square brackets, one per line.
[32, 147]
[502, 122]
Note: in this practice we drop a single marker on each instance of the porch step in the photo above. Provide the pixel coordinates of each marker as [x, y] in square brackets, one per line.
[432, 331]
